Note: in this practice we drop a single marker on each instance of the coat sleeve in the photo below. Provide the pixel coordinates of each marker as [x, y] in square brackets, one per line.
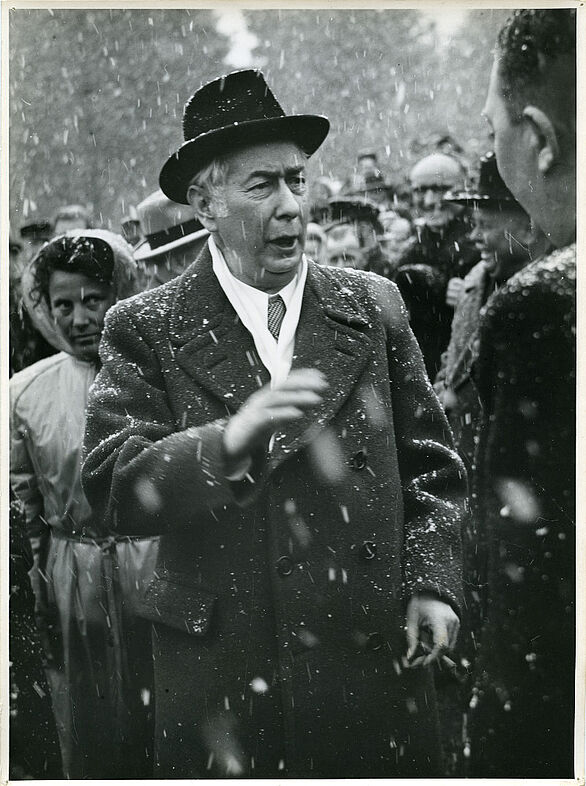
[23, 478]
[525, 373]
[433, 477]
[142, 473]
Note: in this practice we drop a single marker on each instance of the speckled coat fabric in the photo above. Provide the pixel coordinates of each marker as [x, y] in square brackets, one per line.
[462, 404]
[522, 717]
[422, 277]
[279, 600]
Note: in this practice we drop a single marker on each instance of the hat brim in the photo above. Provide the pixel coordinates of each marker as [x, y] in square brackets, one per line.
[463, 198]
[307, 131]
[144, 250]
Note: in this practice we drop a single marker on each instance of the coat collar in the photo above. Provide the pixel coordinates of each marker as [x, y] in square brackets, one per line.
[215, 349]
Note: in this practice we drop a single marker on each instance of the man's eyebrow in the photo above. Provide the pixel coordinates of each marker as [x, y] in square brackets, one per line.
[294, 170]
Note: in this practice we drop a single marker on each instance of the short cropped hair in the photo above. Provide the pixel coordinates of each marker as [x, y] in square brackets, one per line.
[528, 34]
[91, 256]
[212, 178]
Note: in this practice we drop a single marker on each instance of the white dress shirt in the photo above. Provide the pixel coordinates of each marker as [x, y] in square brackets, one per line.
[252, 306]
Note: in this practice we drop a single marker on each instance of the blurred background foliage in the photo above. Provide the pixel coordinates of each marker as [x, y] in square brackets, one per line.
[96, 95]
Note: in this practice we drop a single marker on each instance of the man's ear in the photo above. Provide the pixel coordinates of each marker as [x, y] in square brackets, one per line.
[202, 204]
[548, 151]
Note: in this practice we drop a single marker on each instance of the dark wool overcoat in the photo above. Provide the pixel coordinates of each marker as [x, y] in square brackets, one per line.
[422, 276]
[279, 600]
[522, 719]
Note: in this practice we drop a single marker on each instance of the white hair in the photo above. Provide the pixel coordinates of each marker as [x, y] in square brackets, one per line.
[211, 180]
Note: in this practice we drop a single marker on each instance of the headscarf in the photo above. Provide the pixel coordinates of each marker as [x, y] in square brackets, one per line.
[124, 282]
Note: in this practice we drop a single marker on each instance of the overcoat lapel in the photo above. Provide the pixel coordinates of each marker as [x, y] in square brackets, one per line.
[331, 336]
[213, 347]
[210, 343]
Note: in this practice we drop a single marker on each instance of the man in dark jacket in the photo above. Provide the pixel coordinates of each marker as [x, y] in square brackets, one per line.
[443, 252]
[522, 721]
[506, 240]
[272, 420]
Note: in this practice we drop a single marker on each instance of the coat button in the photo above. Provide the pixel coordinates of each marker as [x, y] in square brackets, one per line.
[285, 566]
[358, 460]
[375, 641]
[368, 550]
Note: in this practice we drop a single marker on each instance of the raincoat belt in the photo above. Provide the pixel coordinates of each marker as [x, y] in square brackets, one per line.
[95, 584]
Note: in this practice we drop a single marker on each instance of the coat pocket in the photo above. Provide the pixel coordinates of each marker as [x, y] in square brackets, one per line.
[171, 599]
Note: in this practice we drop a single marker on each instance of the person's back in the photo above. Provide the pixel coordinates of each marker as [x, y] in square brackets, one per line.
[522, 717]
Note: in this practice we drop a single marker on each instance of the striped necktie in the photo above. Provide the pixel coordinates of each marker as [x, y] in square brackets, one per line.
[275, 315]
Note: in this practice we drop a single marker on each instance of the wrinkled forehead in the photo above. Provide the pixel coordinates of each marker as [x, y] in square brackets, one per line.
[277, 157]
[343, 235]
[75, 284]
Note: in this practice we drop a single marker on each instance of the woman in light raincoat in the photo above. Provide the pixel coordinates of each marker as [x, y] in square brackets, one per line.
[86, 583]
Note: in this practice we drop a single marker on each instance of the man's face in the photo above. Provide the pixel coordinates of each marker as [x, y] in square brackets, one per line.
[16, 264]
[31, 246]
[429, 205]
[367, 166]
[396, 238]
[511, 150]
[78, 305]
[63, 225]
[131, 232]
[260, 225]
[501, 236]
[314, 247]
[343, 248]
[162, 268]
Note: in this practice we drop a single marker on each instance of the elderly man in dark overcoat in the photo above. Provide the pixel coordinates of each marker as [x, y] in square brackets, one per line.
[271, 419]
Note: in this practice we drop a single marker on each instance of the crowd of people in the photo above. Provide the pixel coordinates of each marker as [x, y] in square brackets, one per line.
[292, 466]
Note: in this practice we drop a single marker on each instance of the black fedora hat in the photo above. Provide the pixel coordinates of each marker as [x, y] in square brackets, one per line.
[491, 188]
[235, 110]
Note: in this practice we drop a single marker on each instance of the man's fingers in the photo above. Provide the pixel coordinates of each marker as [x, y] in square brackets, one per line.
[412, 629]
[453, 630]
[304, 379]
[277, 416]
[433, 655]
[440, 642]
[295, 398]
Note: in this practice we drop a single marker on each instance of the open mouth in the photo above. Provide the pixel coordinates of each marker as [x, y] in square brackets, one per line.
[285, 242]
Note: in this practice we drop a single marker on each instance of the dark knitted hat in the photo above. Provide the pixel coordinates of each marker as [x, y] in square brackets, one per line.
[230, 112]
[490, 188]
